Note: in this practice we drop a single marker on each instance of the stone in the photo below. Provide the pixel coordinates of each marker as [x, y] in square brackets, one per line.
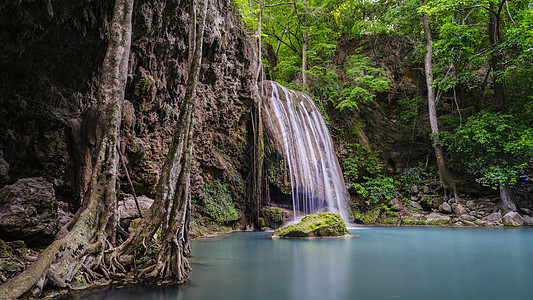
[468, 219]
[12, 256]
[395, 204]
[525, 210]
[274, 217]
[436, 202]
[322, 224]
[28, 212]
[127, 209]
[437, 219]
[458, 209]
[528, 220]
[471, 205]
[513, 219]
[494, 217]
[445, 208]
[63, 214]
[4, 169]
[416, 205]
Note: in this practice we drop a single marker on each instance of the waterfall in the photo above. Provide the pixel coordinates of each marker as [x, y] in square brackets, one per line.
[303, 139]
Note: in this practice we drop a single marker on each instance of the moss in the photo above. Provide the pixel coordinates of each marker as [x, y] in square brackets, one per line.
[273, 217]
[315, 225]
[389, 221]
[414, 221]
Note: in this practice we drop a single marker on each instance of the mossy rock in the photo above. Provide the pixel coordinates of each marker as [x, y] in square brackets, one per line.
[274, 216]
[322, 224]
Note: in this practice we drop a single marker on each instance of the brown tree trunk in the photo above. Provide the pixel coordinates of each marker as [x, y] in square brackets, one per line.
[81, 250]
[445, 176]
[496, 57]
[172, 205]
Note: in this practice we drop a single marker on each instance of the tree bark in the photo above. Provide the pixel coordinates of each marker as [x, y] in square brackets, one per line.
[445, 176]
[172, 205]
[496, 57]
[81, 250]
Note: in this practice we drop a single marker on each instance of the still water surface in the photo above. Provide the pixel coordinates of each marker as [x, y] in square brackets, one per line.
[381, 263]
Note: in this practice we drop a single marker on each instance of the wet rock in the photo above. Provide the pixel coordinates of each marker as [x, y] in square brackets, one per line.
[445, 208]
[274, 217]
[528, 220]
[28, 212]
[322, 224]
[458, 209]
[513, 219]
[437, 219]
[395, 204]
[127, 209]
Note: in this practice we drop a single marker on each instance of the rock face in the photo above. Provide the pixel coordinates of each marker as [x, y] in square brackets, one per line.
[323, 224]
[513, 219]
[12, 255]
[28, 211]
[127, 209]
[437, 219]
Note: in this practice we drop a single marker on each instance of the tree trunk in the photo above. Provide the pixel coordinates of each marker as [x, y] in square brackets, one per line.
[304, 53]
[172, 205]
[496, 57]
[81, 250]
[507, 196]
[445, 176]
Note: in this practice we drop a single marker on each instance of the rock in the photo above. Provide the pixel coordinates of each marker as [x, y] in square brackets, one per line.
[528, 220]
[437, 219]
[416, 205]
[274, 217]
[63, 214]
[525, 211]
[445, 208]
[395, 204]
[468, 219]
[513, 219]
[322, 224]
[494, 217]
[4, 169]
[458, 209]
[127, 209]
[436, 202]
[471, 205]
[28, 212]
[12, 255]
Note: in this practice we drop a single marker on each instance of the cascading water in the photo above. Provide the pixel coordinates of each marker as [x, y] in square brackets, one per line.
[301, 133]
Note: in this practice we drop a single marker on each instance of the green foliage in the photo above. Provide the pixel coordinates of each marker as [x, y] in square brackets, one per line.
[143, 85]
[417, 176]
[364, 81]
[377, 189]
[495, 147]
[217, 203]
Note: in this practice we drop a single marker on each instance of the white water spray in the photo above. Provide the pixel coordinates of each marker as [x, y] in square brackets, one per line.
[316, 179]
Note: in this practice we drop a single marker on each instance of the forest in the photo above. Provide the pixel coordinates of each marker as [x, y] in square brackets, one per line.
[130, 128]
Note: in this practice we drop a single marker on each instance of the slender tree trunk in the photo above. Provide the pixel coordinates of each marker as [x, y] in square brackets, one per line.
[172, 205]
[81, 250]
[507, 196]
[304, 53]
[496, 57]
[445, 176]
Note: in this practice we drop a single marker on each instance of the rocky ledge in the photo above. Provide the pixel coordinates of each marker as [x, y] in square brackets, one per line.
[322, 224]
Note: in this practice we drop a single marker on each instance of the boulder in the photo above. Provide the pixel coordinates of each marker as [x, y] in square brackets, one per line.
[436, 202]
[445, 208]
[458, 209]
[513, 219]
[322, 224]
[528, 220]
[468, 219]
[525, 211]
[395, 204]
[437, 219]
[4, 169]
[28, 212]
[12, 256]
[416, 205]
[127, 209]
[274, 217]
[494, 217]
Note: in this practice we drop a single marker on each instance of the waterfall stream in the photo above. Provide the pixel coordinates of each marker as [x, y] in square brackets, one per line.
[300, 131]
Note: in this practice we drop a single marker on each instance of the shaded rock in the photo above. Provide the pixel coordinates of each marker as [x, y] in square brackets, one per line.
[480, 222]
[525, 211]
[127, 209]
[513, 218]
[436, 202]
[416, 205]
[63, 213]
[4, 169]
[445, 208]
[458, 209]
[471, 205]
[322, 224]
[437, 219]
[528, 220]
[274, 217]
[28, 212]
[12, 255]
[494, 217]
[395, 204]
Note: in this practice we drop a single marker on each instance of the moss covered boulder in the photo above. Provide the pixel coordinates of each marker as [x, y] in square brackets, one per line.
[323, 224]
[274, 217]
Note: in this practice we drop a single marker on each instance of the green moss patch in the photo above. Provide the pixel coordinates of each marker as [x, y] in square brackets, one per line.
[323, 224]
